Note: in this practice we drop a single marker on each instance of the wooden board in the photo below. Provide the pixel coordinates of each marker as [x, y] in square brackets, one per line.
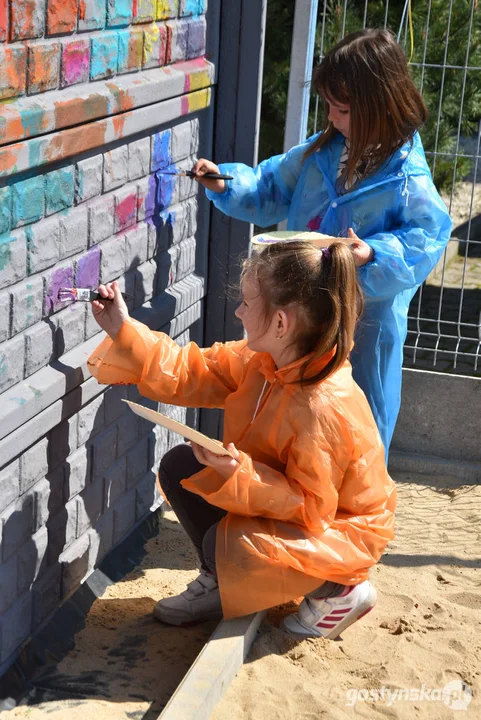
[194, 435]
[318, 239]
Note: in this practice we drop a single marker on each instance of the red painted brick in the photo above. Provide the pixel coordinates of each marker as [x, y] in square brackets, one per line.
[13, 71]
[61, 16]
[3, 19]
[43, 66]
[75, 61]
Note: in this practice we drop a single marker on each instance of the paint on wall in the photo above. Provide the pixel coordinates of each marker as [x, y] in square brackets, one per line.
[75, 62]
[5, 210]
[28, 201]
[161, 150]
[59, 189]
[104, 53]
[62, 277]
[165, 189]
[33, 118]
[5, 251]
[126, 212]
[119, 13]
[87, 272]
[61, 16]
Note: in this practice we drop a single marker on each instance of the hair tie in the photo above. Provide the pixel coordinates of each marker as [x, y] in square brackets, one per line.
[326, 253]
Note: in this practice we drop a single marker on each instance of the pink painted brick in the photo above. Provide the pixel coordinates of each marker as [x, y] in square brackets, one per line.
[27, 19]
[43, 66]
[75, 61]
[13, 71]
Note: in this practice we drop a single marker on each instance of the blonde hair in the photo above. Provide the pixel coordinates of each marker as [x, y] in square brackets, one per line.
[324, 288]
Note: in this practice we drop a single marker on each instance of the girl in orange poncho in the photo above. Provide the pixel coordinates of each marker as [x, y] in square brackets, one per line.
[305, 506]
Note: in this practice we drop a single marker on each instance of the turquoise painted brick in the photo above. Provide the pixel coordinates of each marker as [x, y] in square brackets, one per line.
[28, 201]
[5, 210]
[59, 190]
[191, 7]
[119, 13]
[103, 55]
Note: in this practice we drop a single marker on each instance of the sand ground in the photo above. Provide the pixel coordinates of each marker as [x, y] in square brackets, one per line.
[425, 632]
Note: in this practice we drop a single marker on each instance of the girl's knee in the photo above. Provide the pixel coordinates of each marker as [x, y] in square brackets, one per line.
[175, 466]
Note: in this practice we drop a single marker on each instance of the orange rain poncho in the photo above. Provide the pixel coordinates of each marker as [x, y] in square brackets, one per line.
[311, 499]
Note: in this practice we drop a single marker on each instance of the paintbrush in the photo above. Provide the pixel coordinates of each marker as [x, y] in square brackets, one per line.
[189, 173]
[83, 295]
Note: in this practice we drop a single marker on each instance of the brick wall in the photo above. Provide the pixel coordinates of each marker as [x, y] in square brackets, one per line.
[101, 96]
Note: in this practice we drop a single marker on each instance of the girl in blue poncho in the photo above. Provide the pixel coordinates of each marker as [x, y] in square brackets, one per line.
[364, 177]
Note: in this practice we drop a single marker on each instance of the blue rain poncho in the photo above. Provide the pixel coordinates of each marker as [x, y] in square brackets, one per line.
[397, 211]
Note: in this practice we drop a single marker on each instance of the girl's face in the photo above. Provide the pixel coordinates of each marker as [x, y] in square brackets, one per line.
[261, 336]
[339, 116]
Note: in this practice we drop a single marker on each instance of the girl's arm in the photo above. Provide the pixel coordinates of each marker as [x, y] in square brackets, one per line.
[404, 257]
[260, 195]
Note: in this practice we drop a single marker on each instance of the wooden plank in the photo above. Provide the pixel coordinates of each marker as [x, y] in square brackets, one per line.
[214, 669]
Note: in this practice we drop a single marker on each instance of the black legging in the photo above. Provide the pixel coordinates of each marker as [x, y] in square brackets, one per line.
[198, 517]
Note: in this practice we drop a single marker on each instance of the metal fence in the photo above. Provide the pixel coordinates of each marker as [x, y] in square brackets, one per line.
[442, 39]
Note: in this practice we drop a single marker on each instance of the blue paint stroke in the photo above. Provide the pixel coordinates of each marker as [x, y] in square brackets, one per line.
[103, 58]
[123, 56]
[59, 189]
[5, 210]
[194, 7]
[165, 189]
[161, 151]
[32, 118]
[28, 200]
[119, 13]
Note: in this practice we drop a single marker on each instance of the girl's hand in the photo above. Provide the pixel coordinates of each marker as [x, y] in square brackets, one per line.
[207, 166]
[363, 253]
[112, 314]
[223, 464]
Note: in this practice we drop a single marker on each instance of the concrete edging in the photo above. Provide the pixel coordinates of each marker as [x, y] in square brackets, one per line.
[213, 670]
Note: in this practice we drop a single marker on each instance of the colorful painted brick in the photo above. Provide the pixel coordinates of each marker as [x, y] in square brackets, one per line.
[27, 303]
[27, 19]
[43, 66]
[125, 208]
[61, 16]
[119, 13]
[131, 44]
[59, 190]
[167, 9]
[3, 19]
[13, 71]
[161, 157]
[92, 14]
[13, 257]
[197, 37]
[61, 276]
[75, 55]
[103, 55]
[28, 201]
[191, 7]
[155, 43]
[180, 39]
[143, 11]
[5, 210]
[87, 269]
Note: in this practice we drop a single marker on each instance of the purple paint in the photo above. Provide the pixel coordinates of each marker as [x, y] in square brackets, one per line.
[315, 223]
[87, 273]
[63, 277]
[150, 198]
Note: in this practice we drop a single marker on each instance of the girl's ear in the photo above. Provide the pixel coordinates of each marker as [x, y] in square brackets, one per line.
[284, 323]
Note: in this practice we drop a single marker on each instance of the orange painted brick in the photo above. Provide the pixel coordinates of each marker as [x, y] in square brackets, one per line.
[3, 19]
[43, 66]
[13, 71]
[27, 19]
[61, 16]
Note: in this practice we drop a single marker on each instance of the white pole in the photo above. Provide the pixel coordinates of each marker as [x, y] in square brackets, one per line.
[300, 74]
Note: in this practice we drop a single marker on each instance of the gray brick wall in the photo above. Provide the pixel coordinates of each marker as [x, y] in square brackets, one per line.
[76, 466]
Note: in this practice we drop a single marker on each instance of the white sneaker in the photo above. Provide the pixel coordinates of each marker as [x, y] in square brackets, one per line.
[328, 617]
[201, 601]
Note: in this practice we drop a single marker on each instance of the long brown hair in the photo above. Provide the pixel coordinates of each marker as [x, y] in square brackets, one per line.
[323, 286]
[368, 71]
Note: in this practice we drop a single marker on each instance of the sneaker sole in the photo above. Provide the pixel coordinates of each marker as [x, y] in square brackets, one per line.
[299, 630]
[167, 619]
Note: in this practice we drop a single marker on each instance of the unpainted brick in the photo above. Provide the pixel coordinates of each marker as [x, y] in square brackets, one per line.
[115, 482]
[6, 209]
[136, 245]
[62, 441]
[90, 504]
[13, 257]
[77, 472]
[15, 625]
[38, 347]
[11, 362]
[92, 15]
[116, 163]
[101, 219]
[61, 16]
[59, 189]
[90, 420]
[43, 66]
[26, 304]
[128, 431]
[75, 65]
[56, 480]
[103, 55]
[124, 515]
[101, 538]
[139, 158]
[104, 451]
[5, 313]
[8, 586]
[75, 564]
[91, 326]
[28, 201]
[137, 462]
[114, 405]
[181, 141]
[62, 530]
[125, 207]
[46, 594]
[113, 261]
[43, 241]
[9, 484]
[73, 228]
[17, 525]
[131, 45]
[88, 178]
[69, 328]
[145, 495]
[27, 19]
[145, 282]
[32, 559]
[33, 464]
